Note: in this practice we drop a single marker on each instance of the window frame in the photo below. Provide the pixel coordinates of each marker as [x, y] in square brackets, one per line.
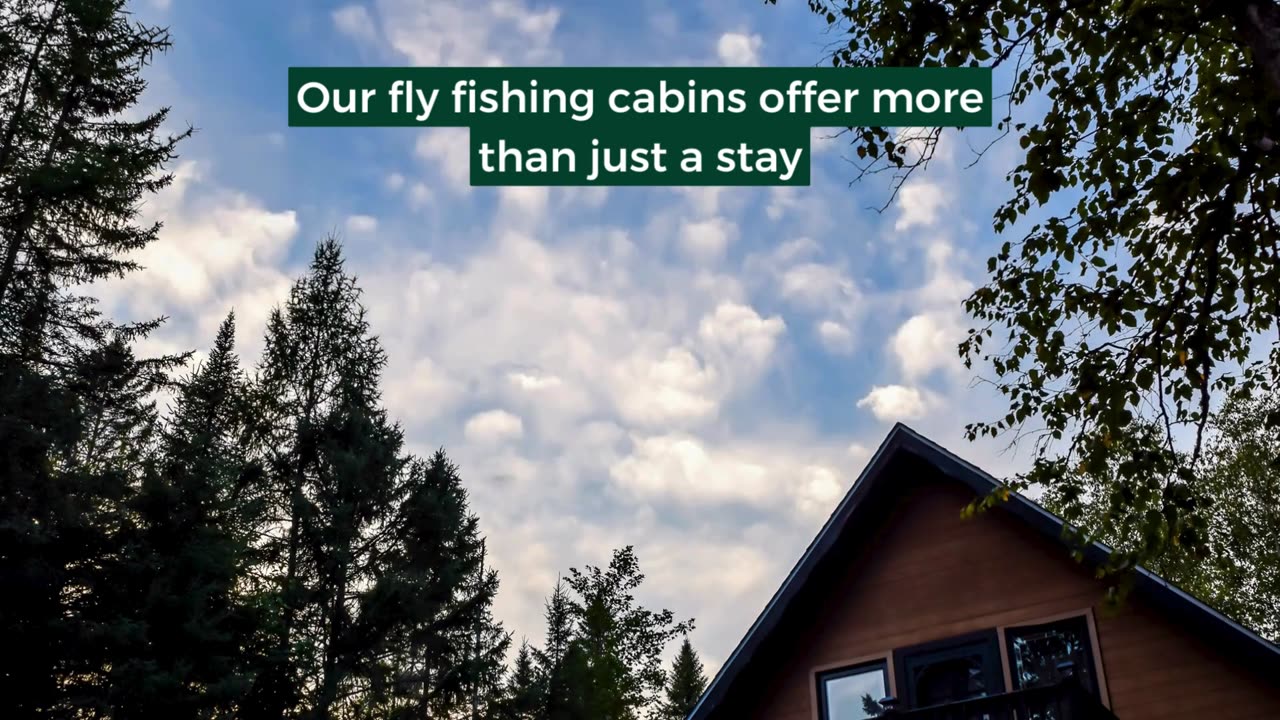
[1095, 648]
[844, 668]
[990, 637]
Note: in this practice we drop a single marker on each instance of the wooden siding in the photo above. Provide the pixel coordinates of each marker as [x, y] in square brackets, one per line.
[928, 575]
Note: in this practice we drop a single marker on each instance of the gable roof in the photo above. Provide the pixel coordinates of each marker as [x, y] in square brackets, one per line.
[902, 441]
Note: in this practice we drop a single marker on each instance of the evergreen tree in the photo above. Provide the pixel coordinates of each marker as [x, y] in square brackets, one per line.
[193, 516]
[72, 446]
[523, 691]
[74, 434]
[558, 686]
[442, 646]
[333, 459]
[686, 684]
[484, 663]
[99, 474]
[73, 168]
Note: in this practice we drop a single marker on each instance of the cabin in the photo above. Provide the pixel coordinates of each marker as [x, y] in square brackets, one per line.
[900, 608]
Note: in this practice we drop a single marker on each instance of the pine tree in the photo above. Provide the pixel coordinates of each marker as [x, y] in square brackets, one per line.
[333, 459]
[436, 596]
[603, 685]
[686, 684]
[483, 664]
[98, 474]
[553, 660]
[523, 691]
[73, 168]
[73, 434]
[194, 516]
[73, 446]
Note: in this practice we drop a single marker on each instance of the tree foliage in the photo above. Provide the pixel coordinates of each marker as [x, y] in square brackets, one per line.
[78, 424]
[209, 542]
[1238, 571]
[602, 658]
[1140, 283]
[686, 683]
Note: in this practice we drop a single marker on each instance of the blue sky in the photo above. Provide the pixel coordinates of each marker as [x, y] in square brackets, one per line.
[699, 372]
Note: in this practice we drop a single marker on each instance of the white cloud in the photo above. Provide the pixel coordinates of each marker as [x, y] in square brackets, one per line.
[895, 402]
[450, 150]
[739, 49]
[920, 203]
[469, 33]
[739, 335]
[705, 200]
[835, 337]
[219, 250]
[362, 224]
[395, 181]
[529, 201]
[425, 391]
[355, 22]
[533, 381]
[419, 195]
[816, 286]
[674, 388]
[707, 240]
[681, 468]
[493, 426]
[927, 342]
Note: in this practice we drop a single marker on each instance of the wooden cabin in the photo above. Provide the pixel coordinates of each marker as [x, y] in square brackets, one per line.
[900, 608]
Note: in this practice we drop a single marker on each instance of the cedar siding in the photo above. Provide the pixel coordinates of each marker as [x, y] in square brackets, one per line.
[912, 571]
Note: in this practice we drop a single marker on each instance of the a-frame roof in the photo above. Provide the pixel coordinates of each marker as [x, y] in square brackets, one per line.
[1243, 644]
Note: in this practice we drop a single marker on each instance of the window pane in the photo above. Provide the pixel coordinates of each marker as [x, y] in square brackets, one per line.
[951, 670]
[1035, 653]
[950, 679]
[854, 695]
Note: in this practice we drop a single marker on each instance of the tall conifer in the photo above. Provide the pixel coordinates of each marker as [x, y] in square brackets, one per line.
[685, 685]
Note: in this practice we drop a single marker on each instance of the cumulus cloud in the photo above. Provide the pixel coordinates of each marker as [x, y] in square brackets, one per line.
[355, 21]
[920, 203]
[707, 239]
[681, 468]
[361, 224]
[818, 286]
[741, 337]
[739, 49]
[895, 402]
[457, 32]
[493, 426]
[927, 342]
[835, 337]
[220, 250]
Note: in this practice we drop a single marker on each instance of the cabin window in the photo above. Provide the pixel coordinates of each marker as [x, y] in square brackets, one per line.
[1037, 652]
[853, 693]
[951, 670]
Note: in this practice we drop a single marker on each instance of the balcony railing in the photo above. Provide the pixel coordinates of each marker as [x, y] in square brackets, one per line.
[1065, 701]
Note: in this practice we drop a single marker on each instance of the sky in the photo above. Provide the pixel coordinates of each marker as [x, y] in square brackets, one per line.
[699, 372]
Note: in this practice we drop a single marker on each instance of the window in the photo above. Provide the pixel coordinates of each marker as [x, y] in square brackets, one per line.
[853, 693]
[951, 670]
[1036, 651]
